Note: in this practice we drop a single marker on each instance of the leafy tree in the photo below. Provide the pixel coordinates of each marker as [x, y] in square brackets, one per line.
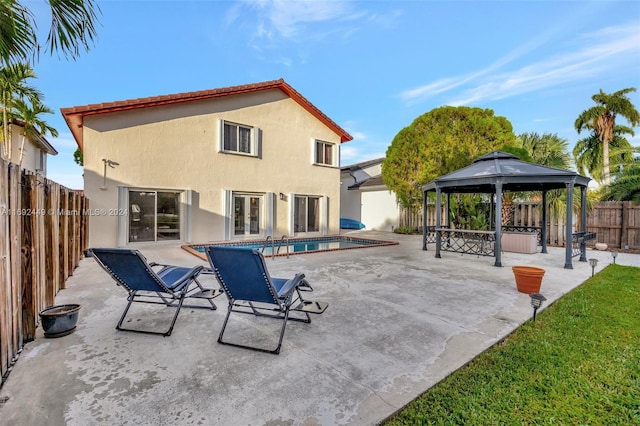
[519, 152]
[33, 125]
[72, 28]
[601, 119]
[439, 142]
[77, 157]
[470, 211]
[589, 158]
[14, 85]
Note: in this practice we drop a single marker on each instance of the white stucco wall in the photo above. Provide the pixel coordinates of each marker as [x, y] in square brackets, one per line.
[379, 210]
[176, 147]
[350, 202]
[31, 159]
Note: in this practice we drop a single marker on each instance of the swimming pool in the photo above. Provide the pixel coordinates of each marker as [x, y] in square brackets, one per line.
[295, 245]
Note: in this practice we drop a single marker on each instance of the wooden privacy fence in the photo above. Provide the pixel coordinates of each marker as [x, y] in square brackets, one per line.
[43, 232]
[616, 223]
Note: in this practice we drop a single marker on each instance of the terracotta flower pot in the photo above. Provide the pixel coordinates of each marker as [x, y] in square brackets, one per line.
[528, 278]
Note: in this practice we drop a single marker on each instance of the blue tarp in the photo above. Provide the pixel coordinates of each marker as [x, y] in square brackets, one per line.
[350, 224]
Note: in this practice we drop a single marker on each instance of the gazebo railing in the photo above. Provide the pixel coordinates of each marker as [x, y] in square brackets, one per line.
[578, 243]
[430, 237]
[480, 243]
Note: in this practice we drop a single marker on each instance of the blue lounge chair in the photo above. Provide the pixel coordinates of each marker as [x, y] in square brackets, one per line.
[169, 285]
[243, 275]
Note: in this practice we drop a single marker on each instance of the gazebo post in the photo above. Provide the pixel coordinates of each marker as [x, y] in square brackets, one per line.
[568, 238]
[438, 220]
[498, 243]
[449, 210]
[583, 222]
[424, 220]
[545, 209]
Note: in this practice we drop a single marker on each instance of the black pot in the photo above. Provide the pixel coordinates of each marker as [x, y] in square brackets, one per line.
[59, 320]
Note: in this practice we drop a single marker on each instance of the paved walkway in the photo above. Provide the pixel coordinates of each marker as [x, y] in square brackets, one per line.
[399, 321]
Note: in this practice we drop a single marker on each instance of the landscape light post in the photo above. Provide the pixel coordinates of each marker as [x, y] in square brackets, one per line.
[593, 262]
[536, 301]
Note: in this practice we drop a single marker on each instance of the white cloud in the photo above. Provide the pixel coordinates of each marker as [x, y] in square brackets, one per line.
[358, 136]
[601, 52]
[348, 153]
[301, 20]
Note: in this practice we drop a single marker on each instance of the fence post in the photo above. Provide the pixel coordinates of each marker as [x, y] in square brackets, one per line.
[5, 272]
[15, 223]
[624, 230]
[28, 281]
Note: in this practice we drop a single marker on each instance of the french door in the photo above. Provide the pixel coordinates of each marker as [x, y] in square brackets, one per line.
[247, 216]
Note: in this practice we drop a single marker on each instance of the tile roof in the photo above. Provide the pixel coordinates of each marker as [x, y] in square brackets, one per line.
[39, 140]
[362, 164]
[74, 116]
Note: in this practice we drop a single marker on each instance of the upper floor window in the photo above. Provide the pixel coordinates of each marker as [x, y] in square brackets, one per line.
[325, 153]
[237, 138]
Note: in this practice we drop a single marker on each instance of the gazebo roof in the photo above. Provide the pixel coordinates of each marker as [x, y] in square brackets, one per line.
[515, 175]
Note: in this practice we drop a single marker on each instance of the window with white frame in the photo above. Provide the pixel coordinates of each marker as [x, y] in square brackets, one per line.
[325, 153]
[237, 138]
[306, 214]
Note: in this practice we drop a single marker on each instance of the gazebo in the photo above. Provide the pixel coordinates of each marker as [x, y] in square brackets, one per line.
[499, 172]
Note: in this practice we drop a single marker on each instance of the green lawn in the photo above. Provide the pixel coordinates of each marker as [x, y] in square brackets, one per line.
[578, 364]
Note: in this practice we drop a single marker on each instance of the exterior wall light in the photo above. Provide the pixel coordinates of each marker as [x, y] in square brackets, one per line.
[106, 163]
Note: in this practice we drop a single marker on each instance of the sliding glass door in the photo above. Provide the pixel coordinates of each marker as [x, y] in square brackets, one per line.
[306, 214]
[154, 216]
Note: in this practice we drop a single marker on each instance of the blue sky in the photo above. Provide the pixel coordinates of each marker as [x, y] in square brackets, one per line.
[372, 66]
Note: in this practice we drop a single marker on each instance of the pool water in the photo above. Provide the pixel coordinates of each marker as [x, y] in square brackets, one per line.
[296, 245]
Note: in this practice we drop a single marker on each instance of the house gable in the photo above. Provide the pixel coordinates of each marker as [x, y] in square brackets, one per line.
[34, 147]
[75, 116]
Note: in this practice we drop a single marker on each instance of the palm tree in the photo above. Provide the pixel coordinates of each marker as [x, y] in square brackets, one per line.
[72, 28]
[33, 125]
[13, 85]
[552, 151]
[626, 185]
[547, 149]
[602, 120]
[588, 155]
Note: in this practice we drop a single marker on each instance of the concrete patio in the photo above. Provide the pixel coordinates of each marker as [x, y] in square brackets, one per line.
[398, 321]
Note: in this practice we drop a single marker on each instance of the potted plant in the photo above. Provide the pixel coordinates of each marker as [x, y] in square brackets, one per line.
[59, 320]
[528, 278]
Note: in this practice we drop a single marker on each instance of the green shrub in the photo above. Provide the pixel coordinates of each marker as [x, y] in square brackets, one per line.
[410, 230]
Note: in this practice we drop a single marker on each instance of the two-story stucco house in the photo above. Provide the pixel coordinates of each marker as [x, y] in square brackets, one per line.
[239, 162]
[29, 150]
